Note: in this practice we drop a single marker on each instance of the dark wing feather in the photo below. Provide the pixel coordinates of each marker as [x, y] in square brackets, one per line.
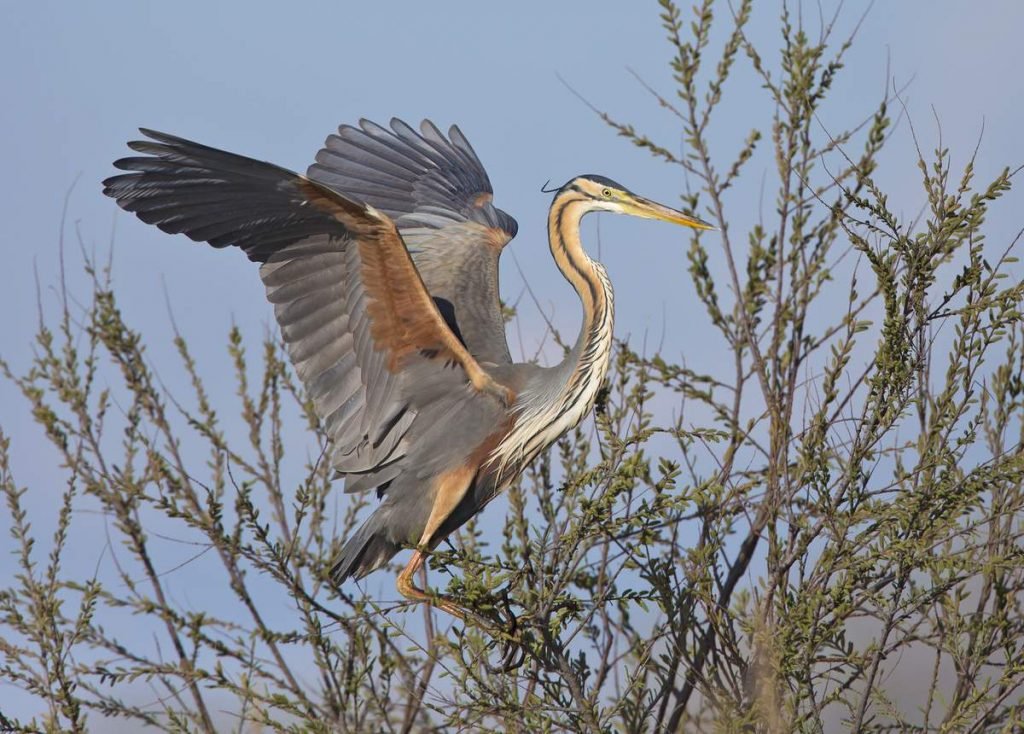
[352, 307]
[437, 192]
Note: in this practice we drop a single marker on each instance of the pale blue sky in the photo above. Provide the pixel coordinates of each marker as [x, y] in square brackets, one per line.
[272, 80]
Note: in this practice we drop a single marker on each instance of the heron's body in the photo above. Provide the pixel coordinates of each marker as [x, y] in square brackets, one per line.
[382, 265]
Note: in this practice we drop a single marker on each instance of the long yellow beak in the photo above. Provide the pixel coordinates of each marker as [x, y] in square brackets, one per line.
[638, 206]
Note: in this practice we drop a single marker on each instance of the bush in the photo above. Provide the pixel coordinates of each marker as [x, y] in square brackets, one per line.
[849, 501]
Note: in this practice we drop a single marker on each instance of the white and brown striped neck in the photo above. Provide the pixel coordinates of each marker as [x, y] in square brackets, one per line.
[543, 417]
[590, 280]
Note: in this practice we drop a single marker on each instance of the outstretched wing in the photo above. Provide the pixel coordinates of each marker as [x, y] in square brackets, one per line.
[353, 310]
[437, 192]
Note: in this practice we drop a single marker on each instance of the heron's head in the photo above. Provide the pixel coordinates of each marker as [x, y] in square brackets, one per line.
[609, 196]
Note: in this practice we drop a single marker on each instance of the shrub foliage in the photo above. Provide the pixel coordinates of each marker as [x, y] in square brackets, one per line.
[839, 504]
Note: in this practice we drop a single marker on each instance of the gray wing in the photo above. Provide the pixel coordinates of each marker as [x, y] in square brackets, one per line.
[360, 327]
[437, 192]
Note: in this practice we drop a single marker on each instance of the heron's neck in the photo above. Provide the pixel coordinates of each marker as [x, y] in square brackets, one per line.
[587, 364]
[558, 405]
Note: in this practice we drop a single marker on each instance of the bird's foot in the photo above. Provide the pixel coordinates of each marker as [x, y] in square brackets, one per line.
[500, 623]
[493, 616]
[511, 638]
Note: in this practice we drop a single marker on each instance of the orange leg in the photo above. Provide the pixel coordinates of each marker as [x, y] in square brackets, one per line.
[408, 589]
[449, 490]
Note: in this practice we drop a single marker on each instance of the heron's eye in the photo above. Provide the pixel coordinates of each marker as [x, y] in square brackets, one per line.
[606, 193]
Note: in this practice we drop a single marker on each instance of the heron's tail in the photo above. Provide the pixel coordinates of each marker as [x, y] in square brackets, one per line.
[367, 550]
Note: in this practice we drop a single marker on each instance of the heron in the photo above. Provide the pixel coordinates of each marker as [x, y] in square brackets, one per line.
[381, 263]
